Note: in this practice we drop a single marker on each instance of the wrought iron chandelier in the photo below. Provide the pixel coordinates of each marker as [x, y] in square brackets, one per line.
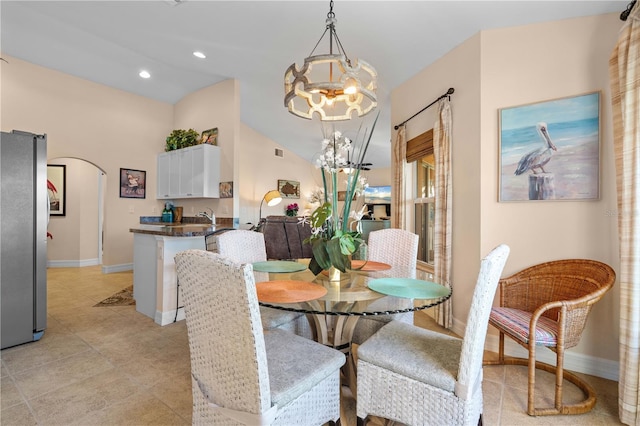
[330, 85]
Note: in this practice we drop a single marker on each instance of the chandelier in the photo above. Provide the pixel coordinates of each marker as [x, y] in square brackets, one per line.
[331, 85]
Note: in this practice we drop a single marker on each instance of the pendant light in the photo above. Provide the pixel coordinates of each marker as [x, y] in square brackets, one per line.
[331, 86]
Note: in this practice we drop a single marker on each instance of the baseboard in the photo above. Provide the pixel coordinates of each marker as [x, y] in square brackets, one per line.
[117, 268]
[72, 263]
[167, 317]
[573, 361]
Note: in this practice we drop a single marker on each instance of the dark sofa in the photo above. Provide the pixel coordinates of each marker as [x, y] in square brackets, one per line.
[284, 238]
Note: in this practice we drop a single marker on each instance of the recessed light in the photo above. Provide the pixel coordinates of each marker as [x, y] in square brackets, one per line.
[144, 74]
[199, 55]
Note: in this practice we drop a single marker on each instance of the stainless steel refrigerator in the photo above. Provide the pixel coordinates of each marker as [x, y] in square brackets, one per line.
[24, 216]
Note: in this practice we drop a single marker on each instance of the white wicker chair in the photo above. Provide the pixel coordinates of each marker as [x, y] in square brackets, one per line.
[421, 377]
[398, 248]
[247, 247]
[240, 373]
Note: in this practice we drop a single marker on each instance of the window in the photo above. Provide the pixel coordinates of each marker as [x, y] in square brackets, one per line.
[424, 208]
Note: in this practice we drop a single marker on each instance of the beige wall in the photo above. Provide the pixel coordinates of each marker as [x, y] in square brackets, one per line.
[112, 129]
[75, 235]
[460, 69]
[539, 62]
[259, 171]
[508, 67]
[106, 127]
[214, 106]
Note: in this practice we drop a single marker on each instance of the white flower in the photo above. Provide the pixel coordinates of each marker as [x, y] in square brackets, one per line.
[357, 215]
[303, 221]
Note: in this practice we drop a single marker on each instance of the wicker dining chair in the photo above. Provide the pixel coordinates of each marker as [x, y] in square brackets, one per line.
[554, 299]
[421, 377]
[240, 373]
[398, 248]
[247, 247]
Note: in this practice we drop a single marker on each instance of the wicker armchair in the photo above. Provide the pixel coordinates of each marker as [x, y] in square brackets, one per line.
[247, 247]
[554, 299]
[421, 377]
[240, 373]
[398, 248]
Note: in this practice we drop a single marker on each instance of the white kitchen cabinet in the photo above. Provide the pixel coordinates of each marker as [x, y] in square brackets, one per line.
[192, 172]
[164, 164]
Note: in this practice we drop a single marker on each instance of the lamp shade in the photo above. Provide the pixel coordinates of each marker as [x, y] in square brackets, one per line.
[273, 198]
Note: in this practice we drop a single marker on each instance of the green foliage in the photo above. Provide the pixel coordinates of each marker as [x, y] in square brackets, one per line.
[320, 215]
[181, 138]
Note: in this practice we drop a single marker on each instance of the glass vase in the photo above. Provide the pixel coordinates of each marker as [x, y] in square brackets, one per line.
[334, 274]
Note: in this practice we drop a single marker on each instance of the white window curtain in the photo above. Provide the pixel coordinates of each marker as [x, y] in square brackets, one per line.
[624, 70]
[443, 206]
[399, 190]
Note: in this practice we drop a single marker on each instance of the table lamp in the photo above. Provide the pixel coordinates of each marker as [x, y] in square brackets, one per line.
[272, 198]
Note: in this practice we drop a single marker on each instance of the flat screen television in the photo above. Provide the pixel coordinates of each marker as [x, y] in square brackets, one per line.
[377, 195]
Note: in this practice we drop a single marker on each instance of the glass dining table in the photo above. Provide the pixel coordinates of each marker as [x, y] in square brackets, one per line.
[334, 307]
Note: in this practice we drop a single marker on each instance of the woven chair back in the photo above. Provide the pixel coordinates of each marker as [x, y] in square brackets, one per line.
[475, 333]
[579, 283]
[393, 246]
[242, 246]
[226, 341]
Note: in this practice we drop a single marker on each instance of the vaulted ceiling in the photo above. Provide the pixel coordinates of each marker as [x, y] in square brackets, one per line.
[109, 42]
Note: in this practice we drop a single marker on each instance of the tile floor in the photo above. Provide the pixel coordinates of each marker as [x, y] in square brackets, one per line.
[114, 366]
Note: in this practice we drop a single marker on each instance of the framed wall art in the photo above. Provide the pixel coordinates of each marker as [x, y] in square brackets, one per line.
[57, 189]
[550, 150]
[289, 188]
[133, 183]
[226, 189]
[342, 196]
[210, 136]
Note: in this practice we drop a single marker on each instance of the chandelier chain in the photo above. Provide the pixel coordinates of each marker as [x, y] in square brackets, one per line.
[330, 15]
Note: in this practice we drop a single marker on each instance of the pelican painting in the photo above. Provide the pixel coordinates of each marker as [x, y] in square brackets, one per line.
[537, 158]
[533, 158]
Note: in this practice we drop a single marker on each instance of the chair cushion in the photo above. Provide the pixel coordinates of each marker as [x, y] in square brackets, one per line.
[297, 364]
[368, 325]
[515, 323]
[273, 318]
[423, 355]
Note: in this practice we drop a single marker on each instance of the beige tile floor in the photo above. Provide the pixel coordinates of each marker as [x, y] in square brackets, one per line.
[114, 366]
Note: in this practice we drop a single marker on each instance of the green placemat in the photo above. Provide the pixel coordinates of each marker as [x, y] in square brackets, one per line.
[408, 287]
[279, 266]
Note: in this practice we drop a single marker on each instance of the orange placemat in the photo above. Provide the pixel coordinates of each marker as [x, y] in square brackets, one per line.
[369, 265]
[288, 291]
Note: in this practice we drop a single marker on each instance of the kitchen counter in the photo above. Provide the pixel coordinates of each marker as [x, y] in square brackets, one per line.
[155, 245]
[189, 227]
[178, 229]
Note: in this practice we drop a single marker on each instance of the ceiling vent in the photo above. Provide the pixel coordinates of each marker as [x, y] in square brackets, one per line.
[279, 153]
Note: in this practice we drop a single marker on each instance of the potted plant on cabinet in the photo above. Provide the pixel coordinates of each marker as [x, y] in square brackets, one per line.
[180, 138]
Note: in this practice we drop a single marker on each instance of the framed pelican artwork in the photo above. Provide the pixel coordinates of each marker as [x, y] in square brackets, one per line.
[550, 150]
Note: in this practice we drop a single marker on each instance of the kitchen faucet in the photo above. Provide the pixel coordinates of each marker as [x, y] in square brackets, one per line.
[211, 216]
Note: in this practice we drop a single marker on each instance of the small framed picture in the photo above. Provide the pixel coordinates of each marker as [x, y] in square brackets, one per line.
[550, 150]
[210, 136]
[289, 188]
[226, 189]
[133, 183]
[57, 189]
[342, 196]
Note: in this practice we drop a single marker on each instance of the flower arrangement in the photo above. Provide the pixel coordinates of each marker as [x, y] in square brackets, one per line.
[291, 209]
[332, 239]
